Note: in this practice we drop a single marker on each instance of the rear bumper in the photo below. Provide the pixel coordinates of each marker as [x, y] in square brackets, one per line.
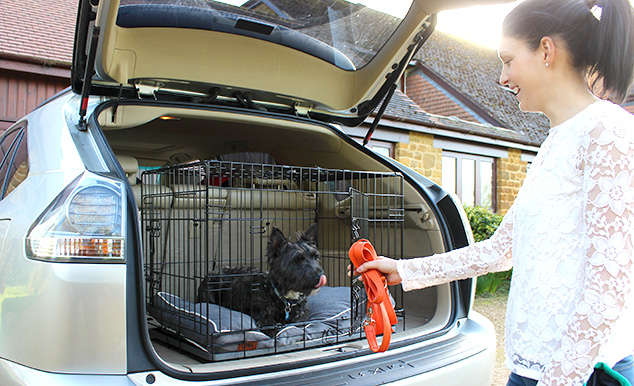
[465, 355]
[476, 369]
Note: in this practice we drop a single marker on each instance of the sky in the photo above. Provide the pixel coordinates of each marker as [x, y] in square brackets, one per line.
[480, 24]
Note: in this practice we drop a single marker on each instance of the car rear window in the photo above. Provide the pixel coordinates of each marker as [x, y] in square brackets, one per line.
[333, 30]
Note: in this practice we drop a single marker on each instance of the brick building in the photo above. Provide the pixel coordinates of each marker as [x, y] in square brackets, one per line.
[36, 48]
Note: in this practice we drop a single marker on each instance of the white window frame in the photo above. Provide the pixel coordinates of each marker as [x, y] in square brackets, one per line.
[477, 183]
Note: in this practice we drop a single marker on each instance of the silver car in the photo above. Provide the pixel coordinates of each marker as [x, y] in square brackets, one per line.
[193, 130]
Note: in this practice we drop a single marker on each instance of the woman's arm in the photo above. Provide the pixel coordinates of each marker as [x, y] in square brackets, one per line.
[491, 255]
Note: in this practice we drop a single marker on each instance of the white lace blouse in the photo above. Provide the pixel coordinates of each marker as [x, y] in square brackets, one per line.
[568, 237]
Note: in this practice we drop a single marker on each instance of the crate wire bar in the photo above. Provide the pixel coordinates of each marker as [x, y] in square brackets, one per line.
[199, 218]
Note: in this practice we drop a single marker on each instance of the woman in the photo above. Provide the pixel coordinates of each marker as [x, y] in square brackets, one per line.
[568, 234]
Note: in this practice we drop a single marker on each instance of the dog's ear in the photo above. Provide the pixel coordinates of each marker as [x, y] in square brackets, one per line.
[311, 234]
[277, 239]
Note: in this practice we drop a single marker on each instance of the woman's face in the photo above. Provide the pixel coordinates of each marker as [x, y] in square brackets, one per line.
[523, 72]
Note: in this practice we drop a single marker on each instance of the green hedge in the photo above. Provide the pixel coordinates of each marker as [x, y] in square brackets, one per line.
[483, 223]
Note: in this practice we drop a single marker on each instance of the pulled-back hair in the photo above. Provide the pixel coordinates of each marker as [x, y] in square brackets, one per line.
[598, 34]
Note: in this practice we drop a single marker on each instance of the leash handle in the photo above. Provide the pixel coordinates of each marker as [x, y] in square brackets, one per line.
[379, 303]
[360, 252]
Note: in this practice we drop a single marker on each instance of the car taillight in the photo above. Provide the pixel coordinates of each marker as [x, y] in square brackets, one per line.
[85, 223]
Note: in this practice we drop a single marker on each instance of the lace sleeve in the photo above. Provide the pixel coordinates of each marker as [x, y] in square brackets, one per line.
[491, 255]
[609, 209]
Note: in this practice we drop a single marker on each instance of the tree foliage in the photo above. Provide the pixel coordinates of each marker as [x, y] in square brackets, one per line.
[483, 224]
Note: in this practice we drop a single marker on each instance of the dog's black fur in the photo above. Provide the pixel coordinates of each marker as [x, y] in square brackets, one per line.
[277, 296]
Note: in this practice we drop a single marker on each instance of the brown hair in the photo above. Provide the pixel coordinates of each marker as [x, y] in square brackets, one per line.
[598, 34]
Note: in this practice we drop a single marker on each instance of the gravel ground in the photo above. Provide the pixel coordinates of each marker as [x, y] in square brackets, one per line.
[494, 308]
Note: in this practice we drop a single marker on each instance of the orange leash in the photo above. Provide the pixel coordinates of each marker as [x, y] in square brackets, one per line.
[381, 315]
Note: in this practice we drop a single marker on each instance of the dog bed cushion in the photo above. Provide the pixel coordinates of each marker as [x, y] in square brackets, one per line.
[201, 323]
[330, 304]
[224, 330]
[329, 313]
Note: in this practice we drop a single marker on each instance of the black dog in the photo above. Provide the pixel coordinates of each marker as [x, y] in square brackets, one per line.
[277, 296]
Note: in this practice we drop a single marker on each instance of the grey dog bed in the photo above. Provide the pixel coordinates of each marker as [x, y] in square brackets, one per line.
[218, 329]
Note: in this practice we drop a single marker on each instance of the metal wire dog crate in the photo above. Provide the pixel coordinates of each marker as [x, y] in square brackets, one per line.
[201, 217]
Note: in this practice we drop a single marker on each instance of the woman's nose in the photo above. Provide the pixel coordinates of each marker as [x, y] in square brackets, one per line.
[504, 79]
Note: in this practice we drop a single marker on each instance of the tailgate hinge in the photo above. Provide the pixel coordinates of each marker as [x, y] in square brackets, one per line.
[144, 90]
[301, 110]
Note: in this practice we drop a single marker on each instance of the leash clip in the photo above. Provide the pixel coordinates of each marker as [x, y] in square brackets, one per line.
[368, 318]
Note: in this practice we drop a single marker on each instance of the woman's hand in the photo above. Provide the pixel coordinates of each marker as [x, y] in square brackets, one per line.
[384, 265]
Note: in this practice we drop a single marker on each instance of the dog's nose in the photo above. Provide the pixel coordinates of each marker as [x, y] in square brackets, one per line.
[322, 281]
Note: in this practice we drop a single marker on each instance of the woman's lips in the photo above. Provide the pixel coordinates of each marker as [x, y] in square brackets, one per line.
[513, 90]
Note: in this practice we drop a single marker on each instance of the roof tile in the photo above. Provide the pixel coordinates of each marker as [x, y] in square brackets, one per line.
[433, 100]
[38, 29]
[474, 70]
[402, 108]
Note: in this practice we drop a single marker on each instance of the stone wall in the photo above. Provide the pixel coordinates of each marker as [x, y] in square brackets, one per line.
[511, 172]
[421, 155]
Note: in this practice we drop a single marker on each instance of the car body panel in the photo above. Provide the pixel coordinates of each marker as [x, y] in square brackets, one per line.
[13, 374]
[75, 311]
[73, 321]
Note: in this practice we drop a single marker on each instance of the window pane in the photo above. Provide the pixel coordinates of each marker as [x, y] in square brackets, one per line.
[382, 150]
[449, 174]
[7, 152]
[468, 182]
[486, 184]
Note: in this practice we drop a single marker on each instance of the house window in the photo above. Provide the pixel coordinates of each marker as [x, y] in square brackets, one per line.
[382, 147]
[470, 177]
[386, 150]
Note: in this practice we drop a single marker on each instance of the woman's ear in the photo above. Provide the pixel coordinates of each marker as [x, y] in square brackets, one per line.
[548, 49]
